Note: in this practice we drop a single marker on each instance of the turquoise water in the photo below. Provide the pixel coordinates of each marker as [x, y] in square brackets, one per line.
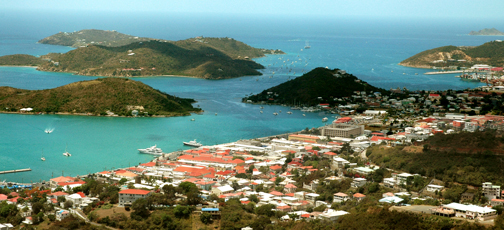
[368, 49]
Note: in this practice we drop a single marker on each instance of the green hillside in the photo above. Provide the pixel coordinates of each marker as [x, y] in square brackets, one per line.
[21, 60]
[151, 58]
[491, 53]
[117, 95]
[306, 90]
[87, 37]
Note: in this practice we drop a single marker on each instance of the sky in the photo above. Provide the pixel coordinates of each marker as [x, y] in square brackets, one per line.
[429, 9]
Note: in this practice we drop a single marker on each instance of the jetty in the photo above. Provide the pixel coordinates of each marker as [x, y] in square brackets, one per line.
[449, 72]
[15, 171]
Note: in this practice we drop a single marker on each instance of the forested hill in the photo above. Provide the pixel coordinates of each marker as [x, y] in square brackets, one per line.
[491, 53]
[309, 88]
[95, 97]
[112, 38]
[151, 58]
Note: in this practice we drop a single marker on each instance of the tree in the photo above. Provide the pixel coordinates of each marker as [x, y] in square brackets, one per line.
[123, 181]
[37, 207]
[139, 209]
[187, 186]
[235, 185]
[61, 199]
[206, 218]
[68, 204]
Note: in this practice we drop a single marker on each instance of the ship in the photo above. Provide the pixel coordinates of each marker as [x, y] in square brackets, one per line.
[154, 150]
[307, 45]
[193, 143]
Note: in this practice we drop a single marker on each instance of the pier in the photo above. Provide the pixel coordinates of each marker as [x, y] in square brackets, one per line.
[15, 171]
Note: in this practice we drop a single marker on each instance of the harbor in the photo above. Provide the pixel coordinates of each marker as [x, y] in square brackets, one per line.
[449, 72]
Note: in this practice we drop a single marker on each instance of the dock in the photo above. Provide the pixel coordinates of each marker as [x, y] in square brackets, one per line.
[15, 171]
[448, 72]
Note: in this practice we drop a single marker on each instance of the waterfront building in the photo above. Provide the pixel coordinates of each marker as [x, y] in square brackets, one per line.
[343, 130]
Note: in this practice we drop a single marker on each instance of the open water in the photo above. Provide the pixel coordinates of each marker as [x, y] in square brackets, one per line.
[367, 48]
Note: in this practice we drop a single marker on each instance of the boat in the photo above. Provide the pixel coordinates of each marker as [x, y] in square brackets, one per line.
[289, 112]
[261, 111]
[193, 119]
[66, 153]
[154, 150]
[304, 115]
[48, 131]
[42, 156]
[193, 143]
[275, 114]
[307, 45]
[324, 119]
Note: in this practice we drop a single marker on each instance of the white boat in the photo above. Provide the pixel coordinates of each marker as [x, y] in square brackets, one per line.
[304, 115]
[275, 114]
[324, 119]
[66, 153]
[42, 156]
[154, 150]
[48, 131]
[193, 143]
[307, 45]
[261, 111]
[289, 112]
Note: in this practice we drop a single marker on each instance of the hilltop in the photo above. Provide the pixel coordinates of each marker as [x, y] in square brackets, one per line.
[151, 58]
[20, 60]
[308, 89]
[487, 32]
[96, 97]
[491, 53]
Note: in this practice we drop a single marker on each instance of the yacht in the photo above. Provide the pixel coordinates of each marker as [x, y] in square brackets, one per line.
[324, 119]
[154, 150]
[289, 112]
[193, 143]
[48, 131]
[42, 156]
[275, 114]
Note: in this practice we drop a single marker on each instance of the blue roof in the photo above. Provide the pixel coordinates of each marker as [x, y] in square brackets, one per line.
[209, 209]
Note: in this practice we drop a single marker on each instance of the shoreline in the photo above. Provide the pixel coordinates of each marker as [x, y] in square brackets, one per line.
[24, 66]
[92, 115]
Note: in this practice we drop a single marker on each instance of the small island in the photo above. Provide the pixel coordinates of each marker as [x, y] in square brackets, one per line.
[319, 86]
[487, 32]
[112, 54]
[490, 53]
[99, 97]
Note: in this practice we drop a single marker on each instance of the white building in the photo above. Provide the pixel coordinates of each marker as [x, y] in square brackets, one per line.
[358, 182]
[222, 190]
[434, 188]
[128, 196]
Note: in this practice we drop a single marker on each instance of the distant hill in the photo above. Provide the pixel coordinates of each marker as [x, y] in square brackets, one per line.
[21, 60]
[487, 32]
[491, 53]
[306, 90]
[89, 37]
[151, 58]
[96, 97]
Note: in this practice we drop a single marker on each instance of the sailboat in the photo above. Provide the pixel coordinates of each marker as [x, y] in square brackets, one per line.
[42, 156]
[307, 45]
[66, 153]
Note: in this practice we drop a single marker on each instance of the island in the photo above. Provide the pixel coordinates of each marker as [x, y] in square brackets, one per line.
[102, 96]
[456, 57]
[112, 54]
[487, 32]
[319, 86]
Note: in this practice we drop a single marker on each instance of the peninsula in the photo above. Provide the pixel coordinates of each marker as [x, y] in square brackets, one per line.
[490, 53]
[103, 96]
[112, 54]
[321, 85]
[487, 32]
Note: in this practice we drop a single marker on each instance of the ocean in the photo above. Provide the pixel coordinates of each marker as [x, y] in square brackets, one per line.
[369, 48]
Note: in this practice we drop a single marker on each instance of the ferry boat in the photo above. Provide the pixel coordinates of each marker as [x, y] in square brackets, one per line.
[154, 150]
[193, 143]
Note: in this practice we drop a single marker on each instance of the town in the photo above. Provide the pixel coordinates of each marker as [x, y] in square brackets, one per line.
[318, 174]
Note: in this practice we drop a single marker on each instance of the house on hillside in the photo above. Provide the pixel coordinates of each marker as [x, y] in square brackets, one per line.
[128, 196]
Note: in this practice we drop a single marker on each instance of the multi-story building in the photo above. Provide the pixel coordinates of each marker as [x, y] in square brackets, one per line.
[491, 191]
[343, 130]
[128, 196]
